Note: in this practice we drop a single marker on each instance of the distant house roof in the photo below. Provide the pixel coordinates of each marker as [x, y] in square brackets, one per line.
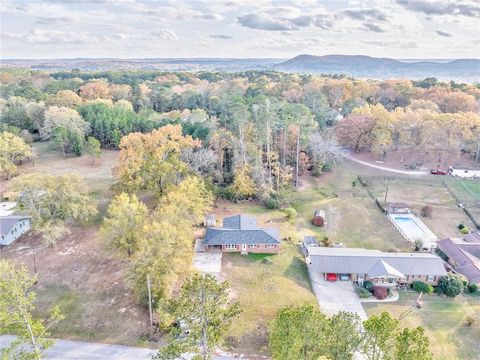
[363, 261]
[241, 229]
[473, 237]
[8, 222]
[465, 256]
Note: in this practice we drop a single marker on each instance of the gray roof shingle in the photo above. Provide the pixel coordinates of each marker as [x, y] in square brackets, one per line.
[360, 261]
[240, 229]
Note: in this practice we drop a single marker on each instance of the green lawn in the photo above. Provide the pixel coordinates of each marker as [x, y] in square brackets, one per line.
[262, 290]
[444, 320]
[465, 189]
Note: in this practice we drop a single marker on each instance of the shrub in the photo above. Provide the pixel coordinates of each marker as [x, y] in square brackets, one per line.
[451, 285]
[438, 291]
[426, 211]
[460, 226]
[380, 292]
[327, 167]
[420, 286]
[470, 320]
[326, 241]
[368, 285]
[291, 213]
[362, 292]
[465, 230]
[418, 244]
[472, 288]
[267, 260]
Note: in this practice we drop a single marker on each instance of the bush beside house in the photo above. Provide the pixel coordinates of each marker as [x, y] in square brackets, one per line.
[420, 286]
[380, 292]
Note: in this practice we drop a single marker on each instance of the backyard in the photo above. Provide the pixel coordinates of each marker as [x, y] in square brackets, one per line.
[444, 320]
[446, 214]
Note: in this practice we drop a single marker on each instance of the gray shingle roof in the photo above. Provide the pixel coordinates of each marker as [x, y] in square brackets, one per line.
[381, 268]
[465, 255]
[240, 222]
[351, 261]
[240, 229]
[8, 222]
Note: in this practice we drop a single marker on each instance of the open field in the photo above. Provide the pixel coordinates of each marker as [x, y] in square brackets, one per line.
[444, 322]
[87, 283]
[446, 214]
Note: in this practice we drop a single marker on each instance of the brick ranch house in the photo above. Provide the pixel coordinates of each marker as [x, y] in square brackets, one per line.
[386, 269]
[240, 233]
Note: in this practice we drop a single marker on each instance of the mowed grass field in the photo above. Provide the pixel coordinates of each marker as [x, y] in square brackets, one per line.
[446, 214]
[444, 320]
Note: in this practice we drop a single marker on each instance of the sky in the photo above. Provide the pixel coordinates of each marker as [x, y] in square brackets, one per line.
[402, 29]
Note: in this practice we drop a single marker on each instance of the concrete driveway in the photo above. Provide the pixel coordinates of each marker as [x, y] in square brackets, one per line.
[208, 262]
[336, 296]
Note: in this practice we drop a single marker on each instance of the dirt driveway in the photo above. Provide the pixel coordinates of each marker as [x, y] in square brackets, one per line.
[337, 296]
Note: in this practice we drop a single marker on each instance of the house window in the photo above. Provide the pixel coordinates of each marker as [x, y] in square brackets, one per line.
[253, 246]
[391, 280]
[230, 247]
[430, 278]
[270, 246]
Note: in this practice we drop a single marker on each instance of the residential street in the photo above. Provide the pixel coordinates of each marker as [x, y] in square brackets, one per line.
[337, 296]
[79, 350]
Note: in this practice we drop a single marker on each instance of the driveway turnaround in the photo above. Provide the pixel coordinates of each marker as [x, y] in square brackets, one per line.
[336, 296]
[208, 262]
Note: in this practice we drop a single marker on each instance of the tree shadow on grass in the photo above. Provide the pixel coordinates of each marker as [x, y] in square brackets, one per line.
[297, 271]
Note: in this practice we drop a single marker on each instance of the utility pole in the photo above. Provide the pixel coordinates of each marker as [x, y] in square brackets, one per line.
[386, 194]
[149, 299]
[298, 156]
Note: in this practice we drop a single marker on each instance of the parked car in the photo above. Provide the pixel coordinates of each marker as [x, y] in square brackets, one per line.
[331, 277]
[438, 172]
[344, 277]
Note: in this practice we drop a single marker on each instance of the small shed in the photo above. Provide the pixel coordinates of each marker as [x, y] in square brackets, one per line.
[397, 208]
[209, 220]
[319, 217]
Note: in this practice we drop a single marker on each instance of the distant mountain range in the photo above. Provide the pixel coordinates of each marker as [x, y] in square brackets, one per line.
[465, 70]
[383, 68]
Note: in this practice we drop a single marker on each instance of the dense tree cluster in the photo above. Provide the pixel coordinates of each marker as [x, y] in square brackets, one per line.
[303, 332]
[281, 125]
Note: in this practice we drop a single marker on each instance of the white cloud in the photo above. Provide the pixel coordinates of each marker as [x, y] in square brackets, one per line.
[165, 34]
[40, 36]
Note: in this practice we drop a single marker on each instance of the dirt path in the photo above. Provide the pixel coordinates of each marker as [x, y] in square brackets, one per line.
[346, 155]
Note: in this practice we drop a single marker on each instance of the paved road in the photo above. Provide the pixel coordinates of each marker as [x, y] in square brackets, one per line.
[346, 155]
[78, 350]
[337, 296]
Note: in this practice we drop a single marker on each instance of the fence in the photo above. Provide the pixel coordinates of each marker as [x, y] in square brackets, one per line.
[466, 205]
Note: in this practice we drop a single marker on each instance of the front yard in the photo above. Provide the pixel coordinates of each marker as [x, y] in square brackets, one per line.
[444, 320]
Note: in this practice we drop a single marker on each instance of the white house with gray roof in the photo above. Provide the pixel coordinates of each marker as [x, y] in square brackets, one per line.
[381, 268]
[12, 227]
[240, 233]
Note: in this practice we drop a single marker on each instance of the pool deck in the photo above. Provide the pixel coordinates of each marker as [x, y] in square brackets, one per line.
[428, 237]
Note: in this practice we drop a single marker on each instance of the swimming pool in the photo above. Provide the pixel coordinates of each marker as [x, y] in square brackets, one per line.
[412, 228]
